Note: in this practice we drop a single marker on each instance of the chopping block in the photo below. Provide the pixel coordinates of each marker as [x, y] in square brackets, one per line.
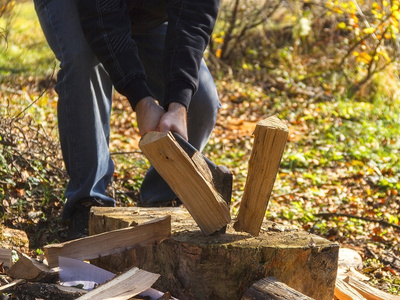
[224, 266]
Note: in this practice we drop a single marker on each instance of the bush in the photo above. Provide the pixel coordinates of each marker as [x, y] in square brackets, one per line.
[6, 7]
[333, 47]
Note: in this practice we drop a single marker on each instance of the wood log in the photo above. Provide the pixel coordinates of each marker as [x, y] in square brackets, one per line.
[369, 292]
[124, 286]
[32, 270]
[190, 179]
[195, 266]
[271, 289]
[270, 138]
[110, 242]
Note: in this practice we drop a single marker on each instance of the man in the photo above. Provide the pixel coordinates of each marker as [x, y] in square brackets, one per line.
[85, 93]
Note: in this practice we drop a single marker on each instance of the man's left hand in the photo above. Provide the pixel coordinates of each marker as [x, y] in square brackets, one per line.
[175, 119]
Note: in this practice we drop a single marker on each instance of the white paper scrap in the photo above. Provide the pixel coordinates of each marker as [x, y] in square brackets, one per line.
[78, 273]
[154, 294]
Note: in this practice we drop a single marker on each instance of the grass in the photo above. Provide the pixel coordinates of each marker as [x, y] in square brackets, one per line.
[342, 156]
[25, 50]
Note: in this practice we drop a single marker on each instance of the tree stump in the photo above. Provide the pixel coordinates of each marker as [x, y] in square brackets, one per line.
[224, 266]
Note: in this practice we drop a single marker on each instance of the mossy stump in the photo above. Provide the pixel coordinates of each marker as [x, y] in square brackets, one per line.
[224, 266]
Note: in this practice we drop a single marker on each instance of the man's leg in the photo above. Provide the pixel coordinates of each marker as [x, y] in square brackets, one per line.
[202, 112]
[84, 105]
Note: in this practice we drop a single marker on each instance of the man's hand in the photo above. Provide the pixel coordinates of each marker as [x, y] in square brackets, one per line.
[148, 115]
[175, 119]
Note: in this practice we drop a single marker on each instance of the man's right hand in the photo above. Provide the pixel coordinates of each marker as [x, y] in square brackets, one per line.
[148, 115]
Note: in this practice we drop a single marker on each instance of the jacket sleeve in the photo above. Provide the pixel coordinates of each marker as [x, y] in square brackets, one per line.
[190, 24]
[107, 27]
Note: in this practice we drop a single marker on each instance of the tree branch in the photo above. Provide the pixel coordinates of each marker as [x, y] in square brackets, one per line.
[381, 221]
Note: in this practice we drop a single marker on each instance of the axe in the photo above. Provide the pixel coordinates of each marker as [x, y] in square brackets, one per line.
[222, 177]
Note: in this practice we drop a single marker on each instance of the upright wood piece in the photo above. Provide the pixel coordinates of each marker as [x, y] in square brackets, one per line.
[190, 179]
[110, 242]
[272, 289]
[124, 286]
[270, 138]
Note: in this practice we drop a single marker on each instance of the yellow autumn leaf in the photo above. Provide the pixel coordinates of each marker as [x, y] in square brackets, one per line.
[396, 14]
[369, 30]
[218, 53]
[342, 25]
[358, 163]
[365, 57]
[385, 56]
[376, 6]
[354, 19]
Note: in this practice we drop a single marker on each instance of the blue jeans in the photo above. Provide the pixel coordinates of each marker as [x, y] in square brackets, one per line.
[84, 106]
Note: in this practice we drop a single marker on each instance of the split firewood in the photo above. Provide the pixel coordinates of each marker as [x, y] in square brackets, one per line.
[124, 286]
[32, 270]
[343, 272]
[343, 291]
[190, 177]
[271, 289]
[369, 292]
[270, 138]
[110, 242]
[5, 257]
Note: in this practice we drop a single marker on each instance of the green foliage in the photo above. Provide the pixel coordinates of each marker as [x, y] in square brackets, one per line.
[336, 47]
[24, 50]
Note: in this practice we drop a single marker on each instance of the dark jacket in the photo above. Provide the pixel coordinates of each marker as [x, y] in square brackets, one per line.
[108, 25]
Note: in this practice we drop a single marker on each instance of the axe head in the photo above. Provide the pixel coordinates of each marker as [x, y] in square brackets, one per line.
[221, 177]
